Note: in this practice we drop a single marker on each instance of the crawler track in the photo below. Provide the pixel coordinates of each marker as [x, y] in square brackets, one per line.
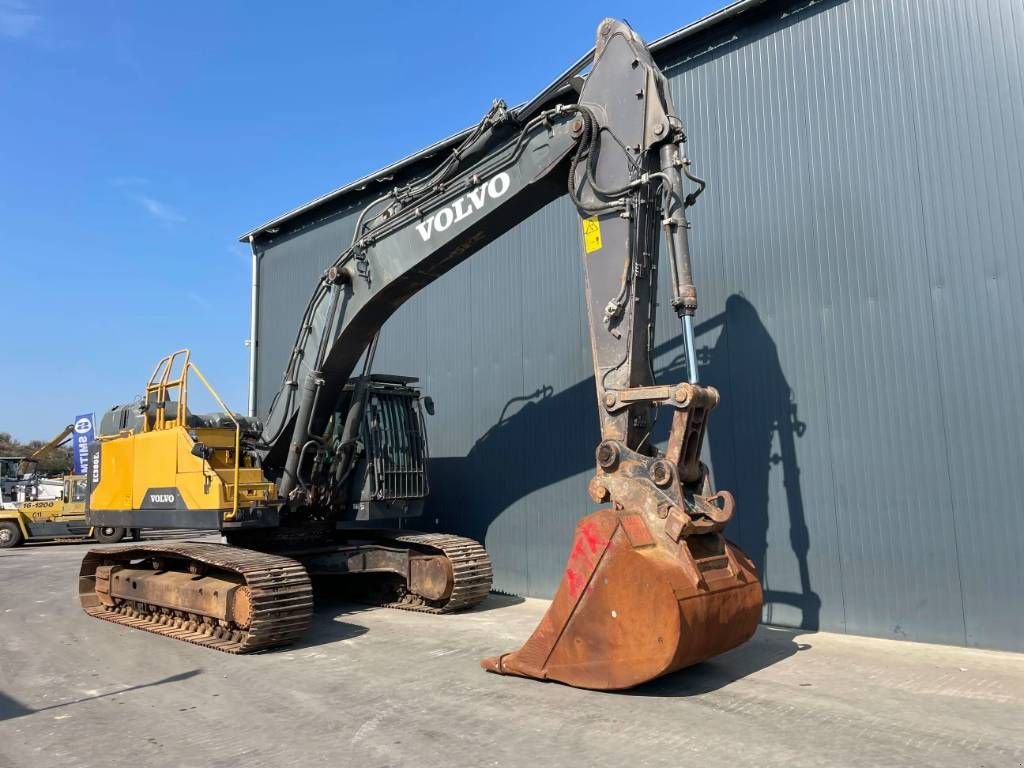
[471, 569]
[280, 589]
[281, 593]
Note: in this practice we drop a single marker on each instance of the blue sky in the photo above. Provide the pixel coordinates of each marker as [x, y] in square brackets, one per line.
[137, 141]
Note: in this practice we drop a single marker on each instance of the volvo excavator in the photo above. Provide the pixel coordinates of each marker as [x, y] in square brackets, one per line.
[651, 585]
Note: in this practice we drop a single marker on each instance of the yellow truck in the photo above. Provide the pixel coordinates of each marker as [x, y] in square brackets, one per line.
[33, 508]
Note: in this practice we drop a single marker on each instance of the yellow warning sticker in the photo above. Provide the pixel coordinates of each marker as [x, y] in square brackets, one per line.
[591, 234]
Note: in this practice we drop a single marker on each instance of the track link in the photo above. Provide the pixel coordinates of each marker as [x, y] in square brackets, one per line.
[281, 593]
[471, 569]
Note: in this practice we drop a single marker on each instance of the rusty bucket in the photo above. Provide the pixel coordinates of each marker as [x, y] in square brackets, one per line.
[633, 605]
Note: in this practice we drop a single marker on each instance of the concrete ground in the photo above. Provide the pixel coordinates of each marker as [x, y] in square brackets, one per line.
[388, 688]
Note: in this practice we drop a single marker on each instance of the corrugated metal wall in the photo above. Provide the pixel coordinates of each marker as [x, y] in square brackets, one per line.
[859, 261]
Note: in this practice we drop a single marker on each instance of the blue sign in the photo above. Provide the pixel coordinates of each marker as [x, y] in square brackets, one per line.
[80, 439]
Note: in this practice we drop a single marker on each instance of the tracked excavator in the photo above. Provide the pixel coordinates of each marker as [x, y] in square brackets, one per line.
[651, 584]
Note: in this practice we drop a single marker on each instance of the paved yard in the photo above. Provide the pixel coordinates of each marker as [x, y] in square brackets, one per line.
[387, 688]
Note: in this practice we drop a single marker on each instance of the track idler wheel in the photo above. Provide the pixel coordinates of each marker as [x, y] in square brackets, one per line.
[634, 605]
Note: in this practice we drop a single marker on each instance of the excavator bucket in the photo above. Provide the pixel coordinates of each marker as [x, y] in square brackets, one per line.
[633, 605]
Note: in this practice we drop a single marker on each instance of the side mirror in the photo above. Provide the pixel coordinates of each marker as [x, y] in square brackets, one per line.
[428, 405]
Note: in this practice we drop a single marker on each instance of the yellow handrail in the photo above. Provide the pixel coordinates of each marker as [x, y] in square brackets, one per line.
[190, 366]
[160, 382]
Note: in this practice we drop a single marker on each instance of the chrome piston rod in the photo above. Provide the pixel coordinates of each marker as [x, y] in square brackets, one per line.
[691, 350]
[684, 292]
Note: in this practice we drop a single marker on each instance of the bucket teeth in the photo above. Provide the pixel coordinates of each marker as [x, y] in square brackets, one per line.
[634, 605]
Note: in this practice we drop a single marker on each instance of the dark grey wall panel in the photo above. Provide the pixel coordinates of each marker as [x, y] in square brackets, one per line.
[288, 271]
[859, 261]
[967, 104]
[824, 259]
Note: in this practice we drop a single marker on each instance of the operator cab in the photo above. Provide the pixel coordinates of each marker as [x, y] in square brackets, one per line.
[20, 482]
[391, 471]
[9, 477]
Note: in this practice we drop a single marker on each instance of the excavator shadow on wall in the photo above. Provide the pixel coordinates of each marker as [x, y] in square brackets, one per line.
[757, 414]
[544, 437]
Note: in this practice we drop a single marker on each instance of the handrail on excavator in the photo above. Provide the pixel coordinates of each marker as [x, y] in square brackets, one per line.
[190, 366]
[160, 383]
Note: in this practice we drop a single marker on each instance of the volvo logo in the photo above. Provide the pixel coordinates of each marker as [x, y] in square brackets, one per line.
[161, 498]
[469, 203]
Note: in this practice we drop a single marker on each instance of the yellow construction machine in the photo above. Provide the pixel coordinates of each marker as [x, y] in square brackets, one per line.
[35, 508]
[332, 478]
